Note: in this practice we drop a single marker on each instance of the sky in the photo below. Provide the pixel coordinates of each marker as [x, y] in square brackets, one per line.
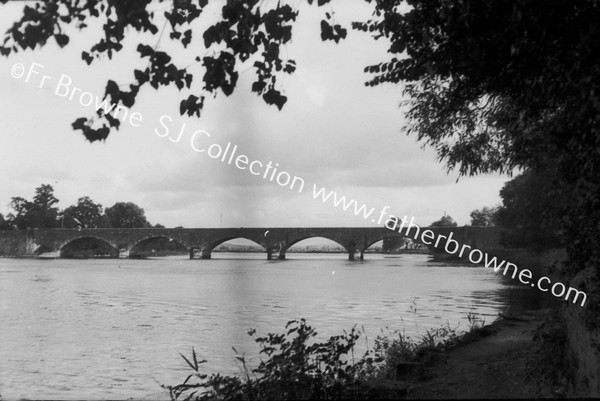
[333, 133]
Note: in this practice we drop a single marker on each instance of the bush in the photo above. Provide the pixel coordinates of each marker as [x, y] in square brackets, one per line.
[296, 366]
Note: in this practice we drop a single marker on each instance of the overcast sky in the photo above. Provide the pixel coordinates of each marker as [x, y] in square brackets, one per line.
[333, 132]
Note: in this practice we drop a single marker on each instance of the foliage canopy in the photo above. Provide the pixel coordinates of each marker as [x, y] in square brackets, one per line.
[86, 214]
[39, 212]
[246, 31]
[484, 217]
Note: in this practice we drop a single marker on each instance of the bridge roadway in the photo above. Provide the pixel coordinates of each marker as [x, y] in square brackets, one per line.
[200, 242]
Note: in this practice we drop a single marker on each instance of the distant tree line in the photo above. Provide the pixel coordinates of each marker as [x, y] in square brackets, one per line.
[42, 212]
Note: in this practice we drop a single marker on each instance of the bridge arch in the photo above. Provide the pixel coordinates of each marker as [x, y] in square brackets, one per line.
[206, 249]
[371, 244]
[87, 247]
[371, 241]
[295, 241]
[165, 243]
[42, 249]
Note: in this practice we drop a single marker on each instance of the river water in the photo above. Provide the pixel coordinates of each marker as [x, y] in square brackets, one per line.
[113, 329]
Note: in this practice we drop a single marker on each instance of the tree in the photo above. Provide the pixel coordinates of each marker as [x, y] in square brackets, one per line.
[126, 215]
[445, 221]
[19, 217]
[4, 224]
[246, 30]
[44, 213]
[534, 221]
[39, 213]
[498, 85]
[86, 213]
[486, 217]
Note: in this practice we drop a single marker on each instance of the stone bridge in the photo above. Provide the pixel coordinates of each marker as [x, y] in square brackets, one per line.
[200, 242]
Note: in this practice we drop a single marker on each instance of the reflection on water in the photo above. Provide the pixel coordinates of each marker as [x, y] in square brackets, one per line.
[98, 329]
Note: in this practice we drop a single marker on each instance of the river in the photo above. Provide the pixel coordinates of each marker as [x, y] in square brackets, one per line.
[114, 328]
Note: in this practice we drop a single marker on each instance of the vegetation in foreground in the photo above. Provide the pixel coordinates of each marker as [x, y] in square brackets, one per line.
[294, 365]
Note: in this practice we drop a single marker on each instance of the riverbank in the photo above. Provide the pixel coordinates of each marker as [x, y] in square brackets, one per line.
[517, 356]
[501, 363]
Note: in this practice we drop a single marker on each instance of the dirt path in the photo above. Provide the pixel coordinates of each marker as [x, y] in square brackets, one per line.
[495, 366]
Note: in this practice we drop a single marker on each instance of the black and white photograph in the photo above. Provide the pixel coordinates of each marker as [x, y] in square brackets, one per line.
[299, 199]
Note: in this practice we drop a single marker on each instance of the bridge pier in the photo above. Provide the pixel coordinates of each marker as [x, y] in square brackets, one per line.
[275, 254]
[204, 254]
[123, 253]
[356, 255]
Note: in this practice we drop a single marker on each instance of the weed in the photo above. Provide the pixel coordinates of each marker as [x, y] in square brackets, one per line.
[475, 322]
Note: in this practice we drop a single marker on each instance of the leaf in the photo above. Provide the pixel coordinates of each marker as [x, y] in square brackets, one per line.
[145, 50]
[187, 38]
[128, 99]
[140, 76]
[275, 97]
[188, 362]
[194, 354]
[79, 123]
[192, 105]
[340, 32]
[187, 379]
[61, 39]
[188, 79]
[258, 86]
[114, 122]
[87, 57]
[326, 31]
[93, 135]
[112, 89]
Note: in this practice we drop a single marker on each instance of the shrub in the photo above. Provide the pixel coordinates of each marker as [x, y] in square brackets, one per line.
[296, 366]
